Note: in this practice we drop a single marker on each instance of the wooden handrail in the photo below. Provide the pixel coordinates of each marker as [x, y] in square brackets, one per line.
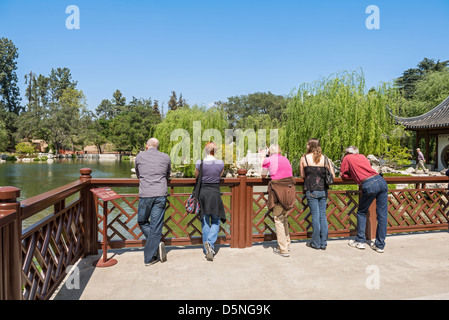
[42, 201]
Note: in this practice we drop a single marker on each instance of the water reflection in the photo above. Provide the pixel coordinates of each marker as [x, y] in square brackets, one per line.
[36, 177]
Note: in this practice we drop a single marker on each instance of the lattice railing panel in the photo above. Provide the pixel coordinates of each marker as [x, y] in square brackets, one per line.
[49, 248]
[341, 209]
[418, 208]
[178, 224]
[407, 210]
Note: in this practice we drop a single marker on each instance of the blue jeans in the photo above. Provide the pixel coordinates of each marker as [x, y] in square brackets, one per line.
[317, 201]
[374, 188]
[150, 217]
[210, 225]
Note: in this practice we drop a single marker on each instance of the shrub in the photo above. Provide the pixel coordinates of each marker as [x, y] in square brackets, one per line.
[25, 147]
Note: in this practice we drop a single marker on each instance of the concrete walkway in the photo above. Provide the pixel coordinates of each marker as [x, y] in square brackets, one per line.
[413, 266]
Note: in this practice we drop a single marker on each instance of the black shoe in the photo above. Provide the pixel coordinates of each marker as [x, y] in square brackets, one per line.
[323, 248]
[152, 261]
[162, 252]
[309, 244]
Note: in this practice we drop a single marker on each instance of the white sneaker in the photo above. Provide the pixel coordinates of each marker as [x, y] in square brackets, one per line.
[162, 252]
[379, 250]
[209, 251]
[356, 244]
[278, 251]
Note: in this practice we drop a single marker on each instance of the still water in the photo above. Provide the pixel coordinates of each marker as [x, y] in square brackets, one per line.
[35, 178]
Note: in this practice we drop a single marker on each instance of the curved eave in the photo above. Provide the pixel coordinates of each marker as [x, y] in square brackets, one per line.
[436, 118]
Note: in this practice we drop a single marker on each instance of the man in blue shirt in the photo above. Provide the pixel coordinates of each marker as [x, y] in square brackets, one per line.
[153, 169]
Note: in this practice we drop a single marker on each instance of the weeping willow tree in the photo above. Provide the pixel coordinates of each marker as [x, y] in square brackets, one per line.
[183, 133]
[339, 112]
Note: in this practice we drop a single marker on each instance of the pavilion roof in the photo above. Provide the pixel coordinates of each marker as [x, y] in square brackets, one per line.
[438, 117]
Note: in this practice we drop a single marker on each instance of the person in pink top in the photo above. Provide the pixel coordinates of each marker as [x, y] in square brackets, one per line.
[281, 196]
[277, 165]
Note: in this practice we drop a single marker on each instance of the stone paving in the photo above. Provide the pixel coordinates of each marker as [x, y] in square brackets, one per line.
[413, 266]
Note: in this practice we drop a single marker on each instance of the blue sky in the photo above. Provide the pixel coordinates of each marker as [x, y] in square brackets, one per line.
[212, 50]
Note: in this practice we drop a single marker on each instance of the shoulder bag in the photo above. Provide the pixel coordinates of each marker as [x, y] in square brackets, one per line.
[193, 203]
[329, 177]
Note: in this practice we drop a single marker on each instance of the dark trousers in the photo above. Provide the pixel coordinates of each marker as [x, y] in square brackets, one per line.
[150, 217]
[374, 188]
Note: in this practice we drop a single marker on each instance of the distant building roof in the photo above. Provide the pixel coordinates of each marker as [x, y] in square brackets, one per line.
[438, 117]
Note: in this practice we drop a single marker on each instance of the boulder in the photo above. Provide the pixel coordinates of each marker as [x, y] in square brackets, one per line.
[373, 160]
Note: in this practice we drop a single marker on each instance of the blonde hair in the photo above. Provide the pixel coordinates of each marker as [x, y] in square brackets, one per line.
[275, 149]
[314, 146]
[210, 148]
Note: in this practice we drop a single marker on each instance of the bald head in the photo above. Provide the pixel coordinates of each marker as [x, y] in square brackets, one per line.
[152, 143]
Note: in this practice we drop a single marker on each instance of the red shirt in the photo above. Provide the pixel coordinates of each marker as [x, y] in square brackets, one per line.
[356, 167]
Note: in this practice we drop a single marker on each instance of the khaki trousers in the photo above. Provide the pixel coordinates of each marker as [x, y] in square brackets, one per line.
[281, 223]
[421, 165]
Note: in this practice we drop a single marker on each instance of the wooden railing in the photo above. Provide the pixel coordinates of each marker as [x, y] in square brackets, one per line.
[33, 261]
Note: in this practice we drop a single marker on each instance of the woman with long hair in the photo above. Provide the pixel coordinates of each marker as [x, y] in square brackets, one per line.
[313, 171]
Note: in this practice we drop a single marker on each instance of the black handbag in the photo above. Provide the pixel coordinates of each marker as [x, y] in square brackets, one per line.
[193, 203]
[329, 176]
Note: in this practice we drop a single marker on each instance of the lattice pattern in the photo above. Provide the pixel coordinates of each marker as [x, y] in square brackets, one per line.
[179, 225]
[341, 210]
[407, 210]
[49, 248]
[410, 209]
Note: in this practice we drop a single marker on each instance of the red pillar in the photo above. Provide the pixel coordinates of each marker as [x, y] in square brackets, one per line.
[241, 218]
[89, 213]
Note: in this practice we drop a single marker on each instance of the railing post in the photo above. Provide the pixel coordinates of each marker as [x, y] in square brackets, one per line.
[240, 218]
[371, 222]
[90, 216]
[10, 245]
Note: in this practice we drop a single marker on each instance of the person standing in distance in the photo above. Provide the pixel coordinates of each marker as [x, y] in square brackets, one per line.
[153, 169]
[357, 167]
[421, 161]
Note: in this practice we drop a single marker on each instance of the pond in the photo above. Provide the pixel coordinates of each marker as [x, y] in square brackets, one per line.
[38, 177]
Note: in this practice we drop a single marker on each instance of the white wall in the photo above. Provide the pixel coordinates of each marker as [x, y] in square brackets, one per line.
[443, 141]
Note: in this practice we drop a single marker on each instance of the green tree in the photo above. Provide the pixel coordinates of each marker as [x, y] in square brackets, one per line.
[339, 112]
[10, 106]
[9, 91]
[25, 148]
[30, 123]
[60, 79]
[239, 108]
[106, 110]
[130, 130]
[93, 131]
[183, 119]
[3, 136]
[63, 123]
[173, 102]
[409, 79]
[119, 102]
